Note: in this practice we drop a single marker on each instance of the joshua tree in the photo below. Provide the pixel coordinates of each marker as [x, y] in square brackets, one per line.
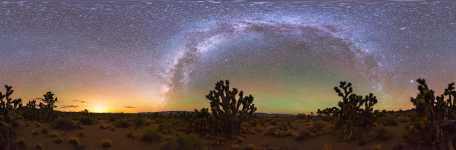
[8, 104]
[31, 111]
[48, 104]
[435, 114]
[353, 111]
[230, 107]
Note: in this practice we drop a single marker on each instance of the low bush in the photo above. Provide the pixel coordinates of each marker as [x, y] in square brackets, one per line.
[87, 120]
[121, 123]
[151, 135]
[38, 146]
[106, 143]
[20, 142]
[184, 142]
[64, 124]
[74, 141]
[139, 122]
[305, 134]
[58, 140]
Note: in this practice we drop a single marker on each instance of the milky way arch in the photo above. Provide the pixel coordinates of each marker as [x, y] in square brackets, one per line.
[198, 42]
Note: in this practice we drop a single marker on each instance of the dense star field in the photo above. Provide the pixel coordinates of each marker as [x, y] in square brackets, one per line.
[135, 56]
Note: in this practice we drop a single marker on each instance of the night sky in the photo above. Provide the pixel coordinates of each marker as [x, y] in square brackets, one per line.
[136, 56]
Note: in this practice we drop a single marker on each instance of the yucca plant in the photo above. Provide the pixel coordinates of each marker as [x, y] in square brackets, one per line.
[229, 108]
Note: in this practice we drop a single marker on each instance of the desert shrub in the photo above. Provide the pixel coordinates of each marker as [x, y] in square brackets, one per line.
[44, 131]
[75, 142]
[20, 143]
[184, 142]
[138, 122]
[302, 116]
[151, 135]
[389, 121]
[106, 143]
[121, 123]
[278, 132]
[53, 134]
[35, 132]
[80, 134]
[64, 124]
[131, 135]
[58, 140]
[104, 126]
[86, 118]
[38, 146]
[305, 134]
[381, 134]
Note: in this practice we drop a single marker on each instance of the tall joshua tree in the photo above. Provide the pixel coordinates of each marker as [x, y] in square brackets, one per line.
[230, 107]
[48, 103]
[8, 104]
[353, 111]
[435, 115]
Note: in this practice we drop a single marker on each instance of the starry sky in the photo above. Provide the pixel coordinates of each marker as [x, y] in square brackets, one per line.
[159, 55]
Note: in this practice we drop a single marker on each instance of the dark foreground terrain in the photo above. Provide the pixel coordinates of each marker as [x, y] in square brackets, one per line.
[174, 131]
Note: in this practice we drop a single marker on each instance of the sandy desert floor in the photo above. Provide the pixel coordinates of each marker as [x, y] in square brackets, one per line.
[268, 133]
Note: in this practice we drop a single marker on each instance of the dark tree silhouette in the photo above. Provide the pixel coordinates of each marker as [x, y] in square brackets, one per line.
[230, 107]
[9, 105]
[48, 104]
[435, 115]
[353, 111]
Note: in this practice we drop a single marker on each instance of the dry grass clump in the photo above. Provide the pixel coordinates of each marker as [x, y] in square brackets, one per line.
[121, 123]
[81, 134]
[151, 135]
[58, 140]
[104, 126]
[106, 143]
[53, 134]
[20, 142]
[249, 147]
[35, 132]
[38, 146]
[305, 134]
[64, 124]
[376, 134]
[74, 141]
[44, 131]
[184, 142]
[131, 135]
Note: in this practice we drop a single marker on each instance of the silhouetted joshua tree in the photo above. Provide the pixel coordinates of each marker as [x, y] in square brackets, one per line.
[353, 111]
[9, 105]
[229, 107]
[30, 111]
[435, 115]
[8, 108]
[48, 104]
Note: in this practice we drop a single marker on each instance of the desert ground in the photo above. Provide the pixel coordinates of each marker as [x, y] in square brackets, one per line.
[165, 131]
